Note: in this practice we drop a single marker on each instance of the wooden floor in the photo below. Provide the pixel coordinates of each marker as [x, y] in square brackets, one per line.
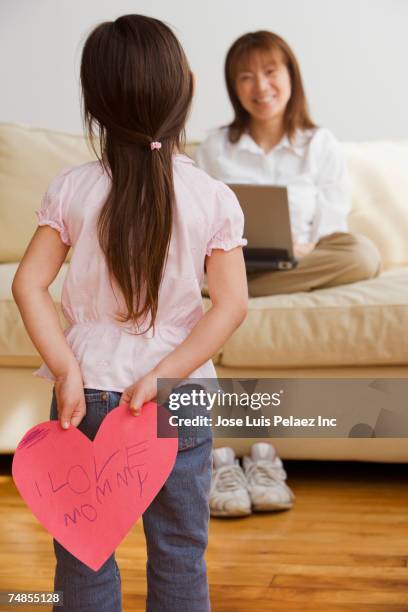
[344, 546]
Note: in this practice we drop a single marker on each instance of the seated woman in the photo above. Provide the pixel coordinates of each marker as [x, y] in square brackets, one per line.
[272, 140]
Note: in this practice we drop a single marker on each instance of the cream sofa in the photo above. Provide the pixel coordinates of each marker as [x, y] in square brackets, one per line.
[358, 330]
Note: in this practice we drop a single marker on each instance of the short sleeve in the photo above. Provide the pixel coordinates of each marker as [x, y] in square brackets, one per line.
[228, 225]
[54, 206]
[333, 188]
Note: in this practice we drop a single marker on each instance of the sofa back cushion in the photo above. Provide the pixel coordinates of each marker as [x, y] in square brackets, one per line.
[379, 173]
[30, 157]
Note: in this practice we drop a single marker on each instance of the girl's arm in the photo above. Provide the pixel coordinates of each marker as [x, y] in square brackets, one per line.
[228, 291]
[40, 265]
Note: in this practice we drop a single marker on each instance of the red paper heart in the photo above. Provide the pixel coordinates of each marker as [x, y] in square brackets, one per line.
[89, 494]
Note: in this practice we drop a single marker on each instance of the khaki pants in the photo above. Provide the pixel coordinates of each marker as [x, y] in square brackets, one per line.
[338, 259]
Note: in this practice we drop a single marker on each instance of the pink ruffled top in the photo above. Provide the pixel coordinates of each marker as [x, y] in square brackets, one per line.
[206, 216]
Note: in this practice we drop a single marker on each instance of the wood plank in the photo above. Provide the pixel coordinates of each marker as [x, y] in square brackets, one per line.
[344, 547]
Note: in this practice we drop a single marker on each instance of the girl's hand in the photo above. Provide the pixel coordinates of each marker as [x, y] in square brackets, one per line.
[142, 391]
[69, 391]
[301, 250]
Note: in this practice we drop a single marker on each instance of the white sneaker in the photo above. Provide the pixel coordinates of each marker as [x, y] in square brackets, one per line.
[266, 479]
[229, 491]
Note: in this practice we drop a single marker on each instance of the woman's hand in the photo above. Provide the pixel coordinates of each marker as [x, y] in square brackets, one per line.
[142, 391]
[69, 391]
[301, 250]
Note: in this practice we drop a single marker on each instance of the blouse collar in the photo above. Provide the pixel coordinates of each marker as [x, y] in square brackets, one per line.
[247, 143]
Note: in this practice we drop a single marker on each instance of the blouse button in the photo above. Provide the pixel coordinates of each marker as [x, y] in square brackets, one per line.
[104, 397]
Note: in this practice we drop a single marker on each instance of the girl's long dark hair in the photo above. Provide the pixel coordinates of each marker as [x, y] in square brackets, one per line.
[137, 89]
[296, 113]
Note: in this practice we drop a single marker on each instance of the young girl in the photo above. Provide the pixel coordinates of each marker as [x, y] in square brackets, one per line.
[272, 140]
[142, 222]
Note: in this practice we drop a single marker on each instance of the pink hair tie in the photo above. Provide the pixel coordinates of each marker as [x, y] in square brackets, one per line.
[155, 145]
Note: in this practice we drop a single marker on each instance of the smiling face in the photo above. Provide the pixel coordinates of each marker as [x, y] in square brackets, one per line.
[263, 85]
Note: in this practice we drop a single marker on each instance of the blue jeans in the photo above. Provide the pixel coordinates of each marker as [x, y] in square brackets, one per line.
[175, 526]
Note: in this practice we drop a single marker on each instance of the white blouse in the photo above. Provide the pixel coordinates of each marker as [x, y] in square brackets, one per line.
[312, 167]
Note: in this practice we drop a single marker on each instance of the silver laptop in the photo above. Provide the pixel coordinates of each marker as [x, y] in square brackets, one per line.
[267, 227]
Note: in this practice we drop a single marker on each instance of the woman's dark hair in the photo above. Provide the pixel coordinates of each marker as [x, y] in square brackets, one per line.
[296, 112]
[137, 88]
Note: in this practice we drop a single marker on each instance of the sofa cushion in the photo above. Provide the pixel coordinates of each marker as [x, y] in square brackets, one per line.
[379, 173]
[358, 324]
[29, 159]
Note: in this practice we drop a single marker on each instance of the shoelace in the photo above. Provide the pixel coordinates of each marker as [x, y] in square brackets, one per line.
[263, 473]
[229, 478]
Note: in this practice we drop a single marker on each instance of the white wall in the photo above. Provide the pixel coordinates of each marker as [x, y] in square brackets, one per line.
[353, 54]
